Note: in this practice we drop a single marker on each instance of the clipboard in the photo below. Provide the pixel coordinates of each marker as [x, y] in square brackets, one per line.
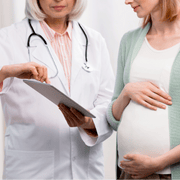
[56, 96]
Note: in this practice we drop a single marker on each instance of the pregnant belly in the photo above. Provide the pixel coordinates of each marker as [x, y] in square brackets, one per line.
[143, 131]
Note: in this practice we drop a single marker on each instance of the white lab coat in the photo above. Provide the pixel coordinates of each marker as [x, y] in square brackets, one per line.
[39, 144]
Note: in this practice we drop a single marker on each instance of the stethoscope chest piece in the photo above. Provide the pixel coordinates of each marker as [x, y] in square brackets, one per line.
[86, 67]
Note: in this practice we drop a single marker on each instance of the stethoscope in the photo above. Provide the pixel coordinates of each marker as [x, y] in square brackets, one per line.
[85, 66]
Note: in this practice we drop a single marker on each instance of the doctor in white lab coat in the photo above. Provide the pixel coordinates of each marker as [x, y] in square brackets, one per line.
[41, 142]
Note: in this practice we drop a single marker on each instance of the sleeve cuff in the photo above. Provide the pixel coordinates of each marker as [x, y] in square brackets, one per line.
[90, 141]
[112, 121]
[6, 84]
[102, 127]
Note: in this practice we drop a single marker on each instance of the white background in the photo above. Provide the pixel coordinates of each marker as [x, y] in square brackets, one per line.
[112, 18]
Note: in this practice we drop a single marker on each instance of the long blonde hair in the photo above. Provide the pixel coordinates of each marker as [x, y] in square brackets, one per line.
[169, 12]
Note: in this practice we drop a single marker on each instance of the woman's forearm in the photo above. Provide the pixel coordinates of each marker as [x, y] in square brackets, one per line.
[169, 158]
[119, 105]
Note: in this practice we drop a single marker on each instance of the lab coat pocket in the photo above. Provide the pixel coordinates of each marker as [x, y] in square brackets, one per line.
[29, 164]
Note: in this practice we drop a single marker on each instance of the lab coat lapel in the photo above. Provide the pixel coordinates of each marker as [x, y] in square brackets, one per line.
[38, 49]
[42, 55]
[78, 51]
[61, 74]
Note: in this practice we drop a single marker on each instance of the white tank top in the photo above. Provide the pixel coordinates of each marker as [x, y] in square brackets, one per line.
[141, 130]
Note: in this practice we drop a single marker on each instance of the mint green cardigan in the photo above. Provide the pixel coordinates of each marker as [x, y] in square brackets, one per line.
[129, 48]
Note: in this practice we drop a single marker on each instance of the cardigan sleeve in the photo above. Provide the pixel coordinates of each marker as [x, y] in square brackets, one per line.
[119, 85]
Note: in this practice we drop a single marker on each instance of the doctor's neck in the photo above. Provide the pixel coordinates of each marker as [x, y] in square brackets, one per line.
[58, 25]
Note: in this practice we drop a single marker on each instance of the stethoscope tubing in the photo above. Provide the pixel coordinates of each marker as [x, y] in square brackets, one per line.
[34, 34]
[85, 66]
[87, 42]
[45, 42]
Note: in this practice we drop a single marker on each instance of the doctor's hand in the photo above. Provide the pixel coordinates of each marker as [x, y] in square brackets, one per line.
[140, 166]
[30, 70]
[75, 119]
[147, 94]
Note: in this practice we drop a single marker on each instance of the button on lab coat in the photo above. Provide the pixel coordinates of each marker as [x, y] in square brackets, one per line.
[39, 144]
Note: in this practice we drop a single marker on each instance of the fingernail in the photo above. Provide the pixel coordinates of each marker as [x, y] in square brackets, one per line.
[164, 107]
[169, 98]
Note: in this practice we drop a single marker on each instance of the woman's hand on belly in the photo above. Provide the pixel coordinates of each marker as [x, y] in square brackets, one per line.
[148, 95]
[140, 166]
[143, 93]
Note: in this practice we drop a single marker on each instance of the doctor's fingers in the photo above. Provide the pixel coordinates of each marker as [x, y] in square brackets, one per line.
[71, 120]
[79, 115]
[42, 73]
[46, 75]
[71, 117]
[68, 119]
[83, 121]
[39, 72]
[87, 121]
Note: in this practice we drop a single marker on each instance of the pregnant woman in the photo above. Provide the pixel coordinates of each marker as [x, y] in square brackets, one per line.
[145, 108]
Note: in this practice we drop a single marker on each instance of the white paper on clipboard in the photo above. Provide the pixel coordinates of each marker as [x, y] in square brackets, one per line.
[56, 96]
